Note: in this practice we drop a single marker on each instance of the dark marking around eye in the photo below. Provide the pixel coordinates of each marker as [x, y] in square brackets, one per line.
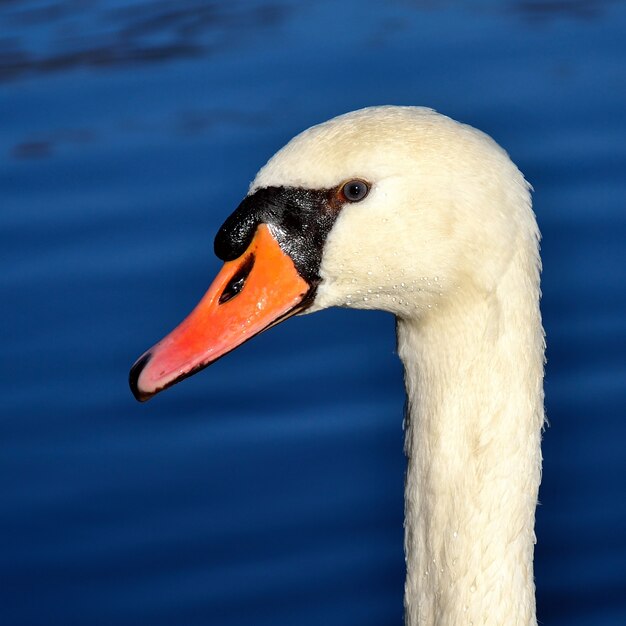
[301, 220]
[237, 282]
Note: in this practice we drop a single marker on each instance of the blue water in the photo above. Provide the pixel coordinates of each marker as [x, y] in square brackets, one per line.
[268, 489]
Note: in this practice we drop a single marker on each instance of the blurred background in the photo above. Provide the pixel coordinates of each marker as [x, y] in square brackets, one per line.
[268, 489]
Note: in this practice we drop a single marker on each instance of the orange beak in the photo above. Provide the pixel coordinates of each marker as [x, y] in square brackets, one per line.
[249, 295]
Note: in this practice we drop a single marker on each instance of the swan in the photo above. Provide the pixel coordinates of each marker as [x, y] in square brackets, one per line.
[405, 210]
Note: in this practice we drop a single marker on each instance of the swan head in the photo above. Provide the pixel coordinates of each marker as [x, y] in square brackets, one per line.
[392, 208]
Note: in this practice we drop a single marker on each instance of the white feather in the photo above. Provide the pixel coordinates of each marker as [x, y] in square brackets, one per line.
[447, 241]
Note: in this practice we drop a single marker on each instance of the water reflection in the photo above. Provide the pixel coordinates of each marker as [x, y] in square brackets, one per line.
[36, 148]
[544, 10]
[188, 123]
[534, 11]
[52, 37]
[268, 490]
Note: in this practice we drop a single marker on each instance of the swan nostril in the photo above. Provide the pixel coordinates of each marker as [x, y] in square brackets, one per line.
[237, 282]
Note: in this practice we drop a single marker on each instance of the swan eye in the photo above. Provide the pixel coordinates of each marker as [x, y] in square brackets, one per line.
[355, 190]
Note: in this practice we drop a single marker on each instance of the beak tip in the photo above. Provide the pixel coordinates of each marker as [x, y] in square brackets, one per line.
[133, 378]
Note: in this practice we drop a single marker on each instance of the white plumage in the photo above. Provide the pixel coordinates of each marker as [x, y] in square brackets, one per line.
[447, 241]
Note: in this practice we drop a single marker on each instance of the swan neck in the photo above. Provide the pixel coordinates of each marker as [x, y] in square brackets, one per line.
[473, 373]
